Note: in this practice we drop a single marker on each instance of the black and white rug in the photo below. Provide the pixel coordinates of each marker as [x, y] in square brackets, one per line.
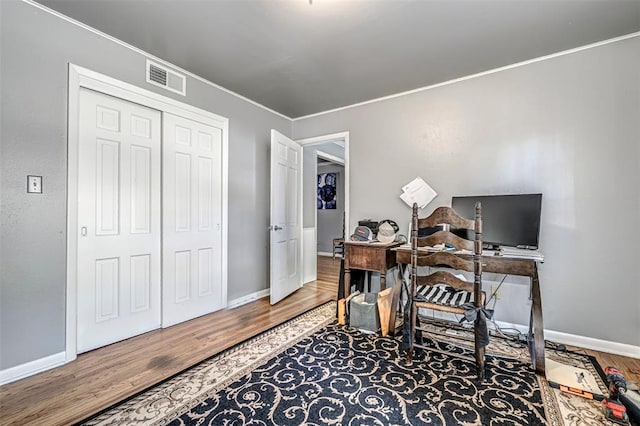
[312, 371]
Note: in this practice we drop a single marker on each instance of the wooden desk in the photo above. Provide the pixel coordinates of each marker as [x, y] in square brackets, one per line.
[376, 257]
[511, 266]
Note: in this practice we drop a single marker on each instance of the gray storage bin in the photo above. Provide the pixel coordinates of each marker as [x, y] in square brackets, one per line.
[363, 312]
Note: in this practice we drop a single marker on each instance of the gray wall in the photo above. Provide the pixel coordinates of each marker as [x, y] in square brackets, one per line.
[568, 127]
[309, 190]
[330, 221]
[36, 48]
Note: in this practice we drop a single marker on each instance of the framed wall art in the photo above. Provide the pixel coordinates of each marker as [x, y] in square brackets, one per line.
[327, 191]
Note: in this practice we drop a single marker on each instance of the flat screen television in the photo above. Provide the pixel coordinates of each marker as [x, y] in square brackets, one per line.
[507, 220]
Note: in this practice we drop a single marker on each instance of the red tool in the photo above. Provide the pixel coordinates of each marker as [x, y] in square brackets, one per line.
[613, 409]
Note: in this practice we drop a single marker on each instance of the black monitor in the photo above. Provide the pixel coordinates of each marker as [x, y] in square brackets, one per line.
[507, 220]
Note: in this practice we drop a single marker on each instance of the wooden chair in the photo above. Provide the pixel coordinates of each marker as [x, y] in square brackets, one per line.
[442, 290]
[338, 247]
[338, 243]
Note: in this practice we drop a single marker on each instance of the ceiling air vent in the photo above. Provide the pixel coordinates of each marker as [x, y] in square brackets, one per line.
[164, 77]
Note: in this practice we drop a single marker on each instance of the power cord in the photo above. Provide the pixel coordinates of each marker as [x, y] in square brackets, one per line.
[511, 335]
[555, 346]
[495, 291]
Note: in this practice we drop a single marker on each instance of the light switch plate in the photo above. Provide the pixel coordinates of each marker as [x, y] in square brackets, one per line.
[34, 184]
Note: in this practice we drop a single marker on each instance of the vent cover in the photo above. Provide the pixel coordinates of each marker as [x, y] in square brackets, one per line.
[159, 75]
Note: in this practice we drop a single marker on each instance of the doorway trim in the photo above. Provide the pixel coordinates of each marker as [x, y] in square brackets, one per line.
[329, 157]
[80, 77]
[318, 140]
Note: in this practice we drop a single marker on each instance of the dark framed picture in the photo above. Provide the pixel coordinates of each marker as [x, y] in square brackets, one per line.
[327, 191]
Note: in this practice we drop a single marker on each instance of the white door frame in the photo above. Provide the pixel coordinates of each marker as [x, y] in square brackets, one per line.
[318, 140]
[329, 157]
[82, 77]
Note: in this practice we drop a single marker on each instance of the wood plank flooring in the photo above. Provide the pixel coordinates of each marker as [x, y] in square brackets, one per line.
[102, 377]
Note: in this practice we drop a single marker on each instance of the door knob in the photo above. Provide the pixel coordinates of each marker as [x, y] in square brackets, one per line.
[277, 228]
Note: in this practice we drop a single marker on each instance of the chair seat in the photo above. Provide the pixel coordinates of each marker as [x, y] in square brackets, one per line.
[444, 295]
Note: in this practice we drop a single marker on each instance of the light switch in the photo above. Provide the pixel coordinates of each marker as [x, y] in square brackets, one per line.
[34, 184]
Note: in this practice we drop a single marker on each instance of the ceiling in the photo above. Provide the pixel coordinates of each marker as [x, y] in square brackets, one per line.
[299, 58]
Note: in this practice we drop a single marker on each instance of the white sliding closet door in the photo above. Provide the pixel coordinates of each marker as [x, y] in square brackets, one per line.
[192, 216]
[118, 261]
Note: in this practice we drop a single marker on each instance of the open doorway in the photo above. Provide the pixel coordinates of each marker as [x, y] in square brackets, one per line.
[325, 197]
[329, 203]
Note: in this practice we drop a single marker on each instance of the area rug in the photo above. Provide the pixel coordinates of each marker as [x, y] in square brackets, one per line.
[312, 371]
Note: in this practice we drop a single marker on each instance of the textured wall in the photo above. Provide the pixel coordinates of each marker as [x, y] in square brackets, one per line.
[567, 127]
[36, 49]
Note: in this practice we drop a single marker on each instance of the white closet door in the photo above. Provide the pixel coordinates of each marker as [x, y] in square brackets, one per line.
[119, 220]
[192, 216]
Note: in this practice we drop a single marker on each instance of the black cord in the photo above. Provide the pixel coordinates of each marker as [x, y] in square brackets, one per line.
[555, 346]
[496, 291]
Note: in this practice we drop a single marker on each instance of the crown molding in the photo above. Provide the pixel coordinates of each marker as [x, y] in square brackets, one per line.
[472, 76]
[148, 55]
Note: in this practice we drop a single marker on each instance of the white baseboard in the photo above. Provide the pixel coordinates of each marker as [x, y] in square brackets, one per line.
[600, 345]
[248, 298]
[617, 348]
[324, 253]
[32, 367]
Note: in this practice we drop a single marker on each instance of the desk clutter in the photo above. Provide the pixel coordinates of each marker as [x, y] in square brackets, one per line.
[385, 231]
[506, 252]
[504, 241]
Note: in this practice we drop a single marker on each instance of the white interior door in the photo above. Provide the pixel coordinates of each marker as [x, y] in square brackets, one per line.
[118, 261]
[192, 220]
[286, 216]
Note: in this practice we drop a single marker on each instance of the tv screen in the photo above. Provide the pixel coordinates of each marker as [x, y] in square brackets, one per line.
[507, 220]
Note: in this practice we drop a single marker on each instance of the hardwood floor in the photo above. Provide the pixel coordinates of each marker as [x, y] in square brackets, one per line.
[102, 377]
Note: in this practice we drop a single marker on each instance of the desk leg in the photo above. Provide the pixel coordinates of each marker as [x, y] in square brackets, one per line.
[535, 324]
[383, 280]
[347, 282]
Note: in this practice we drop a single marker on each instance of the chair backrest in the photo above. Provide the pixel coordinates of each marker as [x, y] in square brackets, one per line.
[472, 262]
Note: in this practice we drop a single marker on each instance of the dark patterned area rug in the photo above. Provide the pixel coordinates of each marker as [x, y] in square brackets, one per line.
[312, 371]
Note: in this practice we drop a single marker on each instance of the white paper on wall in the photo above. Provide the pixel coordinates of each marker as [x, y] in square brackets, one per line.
[417, 191]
